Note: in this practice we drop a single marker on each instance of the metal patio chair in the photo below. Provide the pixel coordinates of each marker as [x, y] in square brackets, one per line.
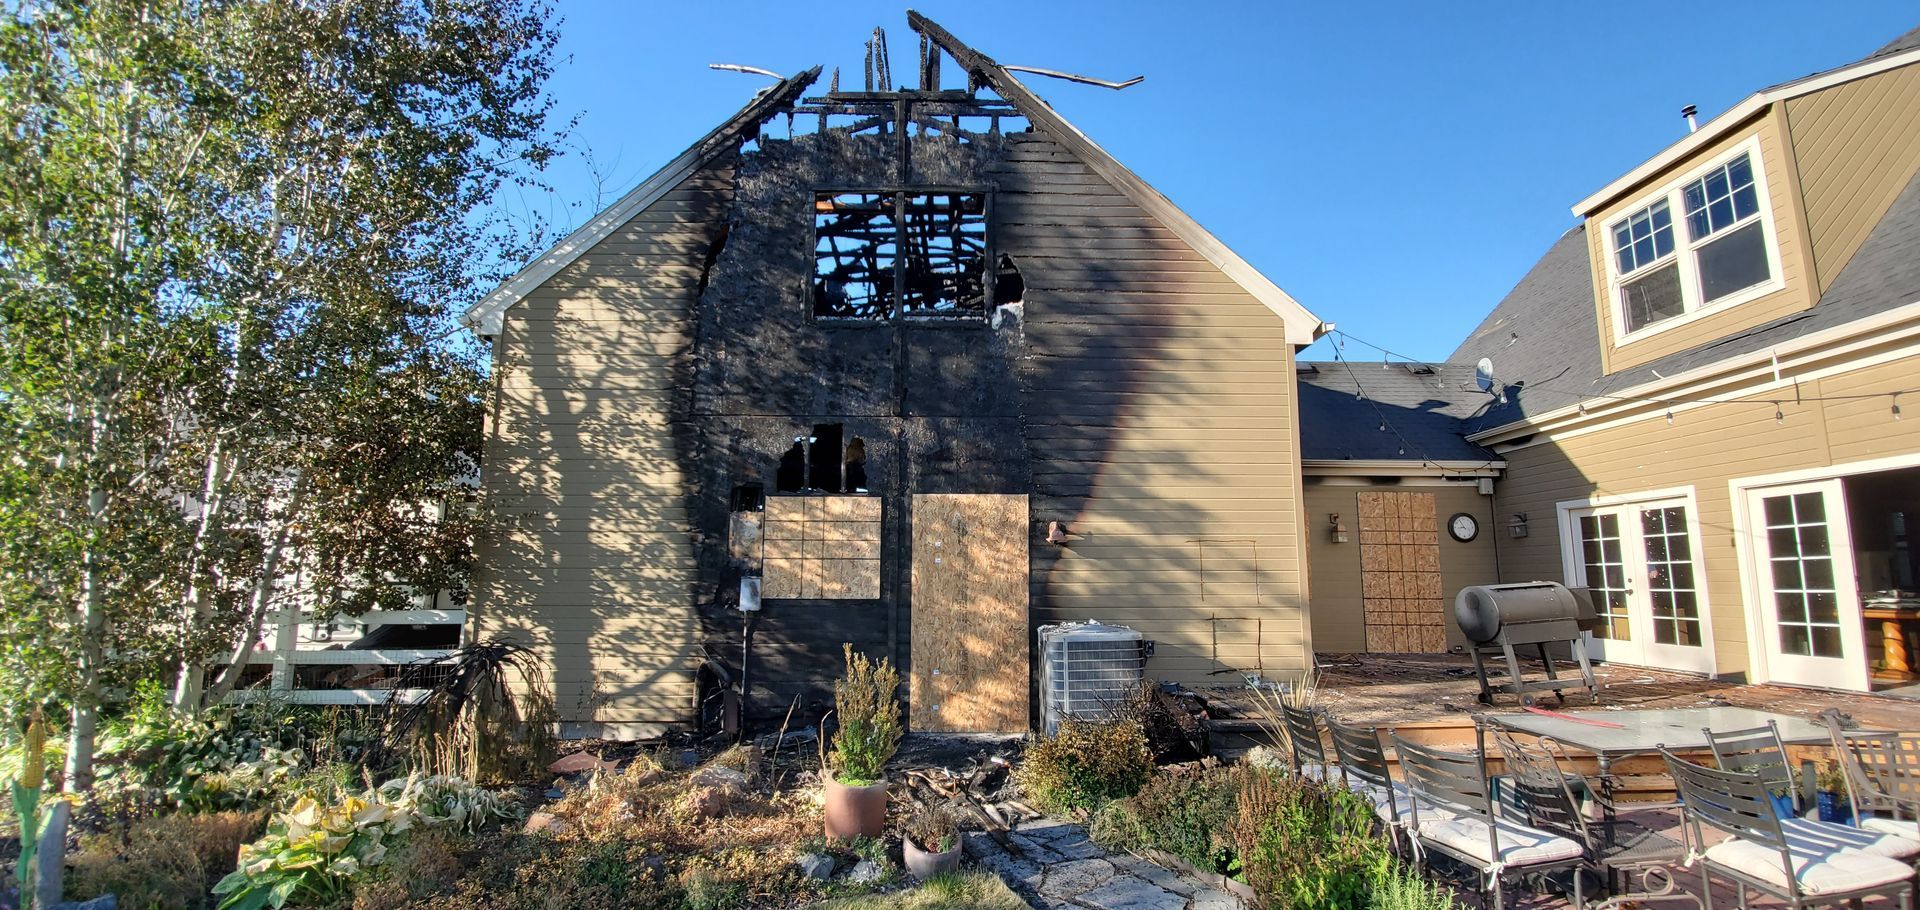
[1363, 764]
[1883, 776]
[1802, 862]
[1757, 750]
[1452, 814]
[1622, 852]
[1303, 740]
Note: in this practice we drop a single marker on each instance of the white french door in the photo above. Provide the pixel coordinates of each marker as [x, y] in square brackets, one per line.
[1809, 605]
[1638, 561]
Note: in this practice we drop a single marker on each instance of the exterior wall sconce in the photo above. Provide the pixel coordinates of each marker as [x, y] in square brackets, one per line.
[1056, 534]
[1518, 526]
[1336, 531]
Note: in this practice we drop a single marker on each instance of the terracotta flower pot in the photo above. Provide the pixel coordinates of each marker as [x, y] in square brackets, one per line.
[856, 811]
[926, 865]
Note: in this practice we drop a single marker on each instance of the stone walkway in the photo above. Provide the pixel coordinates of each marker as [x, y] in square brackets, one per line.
[1058, 868]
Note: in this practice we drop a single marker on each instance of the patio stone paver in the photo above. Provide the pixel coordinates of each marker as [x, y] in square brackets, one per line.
[1057, 867]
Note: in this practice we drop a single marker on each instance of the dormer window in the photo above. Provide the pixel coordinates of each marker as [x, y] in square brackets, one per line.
[1718, 252]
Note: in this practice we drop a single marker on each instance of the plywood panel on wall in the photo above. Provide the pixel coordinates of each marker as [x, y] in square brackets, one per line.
[822, 547]
[969, 637]
[1400, 583]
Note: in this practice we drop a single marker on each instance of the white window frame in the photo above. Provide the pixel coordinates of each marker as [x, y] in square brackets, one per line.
[1685, 248]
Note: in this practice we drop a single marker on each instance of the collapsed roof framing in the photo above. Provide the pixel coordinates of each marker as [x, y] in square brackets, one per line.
[963, 114]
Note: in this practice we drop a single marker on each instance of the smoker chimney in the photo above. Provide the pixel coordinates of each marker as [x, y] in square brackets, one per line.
[1688, 113]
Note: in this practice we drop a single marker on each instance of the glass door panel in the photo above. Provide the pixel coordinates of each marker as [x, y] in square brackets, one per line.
[1677, 630]
[1604, 573]
[1809, 607]
[1637, 561]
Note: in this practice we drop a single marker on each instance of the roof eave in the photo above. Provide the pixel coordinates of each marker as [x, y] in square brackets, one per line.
[485, 318]
[1740, 113]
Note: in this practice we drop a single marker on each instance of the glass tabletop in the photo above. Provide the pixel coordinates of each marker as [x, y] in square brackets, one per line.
[1644, 731]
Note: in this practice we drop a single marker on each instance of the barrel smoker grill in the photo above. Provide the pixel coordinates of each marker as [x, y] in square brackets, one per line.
[1495, 618]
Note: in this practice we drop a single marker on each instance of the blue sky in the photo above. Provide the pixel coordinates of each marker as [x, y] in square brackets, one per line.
[1396, 167]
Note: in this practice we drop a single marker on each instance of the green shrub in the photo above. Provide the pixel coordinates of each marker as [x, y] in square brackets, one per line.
[737, 877]
[867, 709]
[1402, 887]
[230, 756]
[1117, 826]
[1308, 846]
[1085, 765]
[959, 891]
[1192, 817]
[169, 862]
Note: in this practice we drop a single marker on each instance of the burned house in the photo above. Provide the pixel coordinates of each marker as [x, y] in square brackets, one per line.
[917, 368]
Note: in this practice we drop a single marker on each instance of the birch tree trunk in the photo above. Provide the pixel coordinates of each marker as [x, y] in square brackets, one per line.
[260, 599]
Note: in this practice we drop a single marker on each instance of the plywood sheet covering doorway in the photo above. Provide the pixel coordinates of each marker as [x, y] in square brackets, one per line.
[1400, 573]
[969, 635]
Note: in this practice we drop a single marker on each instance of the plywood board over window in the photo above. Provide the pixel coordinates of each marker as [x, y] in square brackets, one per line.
[969, 612]
[821, 548]
[1400, 572]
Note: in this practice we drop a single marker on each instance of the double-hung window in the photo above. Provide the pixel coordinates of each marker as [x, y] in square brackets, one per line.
[1701, 243]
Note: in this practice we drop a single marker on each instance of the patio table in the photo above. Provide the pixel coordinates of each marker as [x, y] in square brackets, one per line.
[1643, 732]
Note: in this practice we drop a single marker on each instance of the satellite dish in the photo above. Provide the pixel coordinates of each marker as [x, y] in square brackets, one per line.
[1483, 374]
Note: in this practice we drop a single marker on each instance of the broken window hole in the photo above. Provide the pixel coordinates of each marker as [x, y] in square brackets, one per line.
[747, 497]
[792, 475]
[826, 461]
[880, 255]
[1008, 286]
[856, 465]
[824, 466]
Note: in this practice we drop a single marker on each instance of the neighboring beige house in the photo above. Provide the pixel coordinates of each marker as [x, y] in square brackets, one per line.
[1703, 388]
[923, 368]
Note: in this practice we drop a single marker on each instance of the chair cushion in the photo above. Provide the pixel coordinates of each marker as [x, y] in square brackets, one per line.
[1821, 870]
[1520, 845]
[1402, 801]
[1903, 828]
[1820, 835]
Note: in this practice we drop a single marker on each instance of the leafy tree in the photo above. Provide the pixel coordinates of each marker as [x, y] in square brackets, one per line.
[232, 237]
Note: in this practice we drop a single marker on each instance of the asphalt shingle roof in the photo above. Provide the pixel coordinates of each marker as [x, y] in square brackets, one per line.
[1428, 411]
[1545, 344]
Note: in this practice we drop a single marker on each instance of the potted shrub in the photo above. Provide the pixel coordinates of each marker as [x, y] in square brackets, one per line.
[932, 844]
[869, 715]
[1832, 795]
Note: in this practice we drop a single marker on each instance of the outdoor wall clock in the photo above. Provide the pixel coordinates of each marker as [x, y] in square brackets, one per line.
[1463, 527]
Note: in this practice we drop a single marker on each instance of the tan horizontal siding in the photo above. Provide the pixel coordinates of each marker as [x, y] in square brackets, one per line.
[590, 560]
[1858, 148]
[1705, 448]
[1161, 415]
[1339, 617]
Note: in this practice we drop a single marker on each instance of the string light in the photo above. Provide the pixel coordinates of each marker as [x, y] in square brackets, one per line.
[1667, 403]
[1669, 416]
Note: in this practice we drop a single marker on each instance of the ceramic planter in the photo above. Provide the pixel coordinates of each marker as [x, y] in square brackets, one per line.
[855, 811]
[926, 865]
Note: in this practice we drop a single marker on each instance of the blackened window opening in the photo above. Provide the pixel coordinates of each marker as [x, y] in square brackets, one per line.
[792, 476]
[823, 457]
[1008, 286]
[878, 255]
[856, 465]
[826, 461]
[748, 497]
